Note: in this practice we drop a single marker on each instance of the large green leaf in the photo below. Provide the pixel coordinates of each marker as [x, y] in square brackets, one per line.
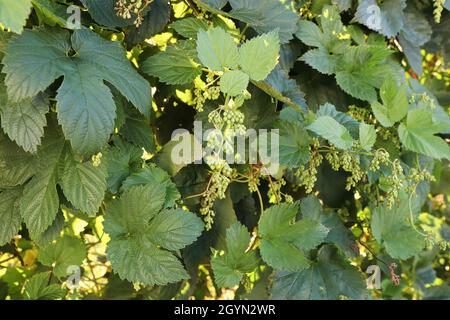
[14, 14]
[38, 288]
[282, 238]
[83, 183]
[266, 15]
[173, 66]
[189, 27]
[16, 165]
[338, 233]
[62, 254]
[294, 144]
[40, 202]
[23, 121]
[327, 279]
[333, 131]
[395, 103]
[418, 134]
[154, 175]
[216, 49]
[138, 229]
[9, 214]
[259, 56]
[230, 267]
[85, 106]
[234, 82]
[174, 229]
[391, 228]
[414, 34]
[367, 136]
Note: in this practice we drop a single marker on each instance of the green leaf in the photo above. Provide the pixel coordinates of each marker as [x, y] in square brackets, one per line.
[137, 228]
[16, 165]
[40, 202]
[362, 69]
[83, 184]
[50, 12]
[173, 66]
[14, 14]
[174, 229]
[282, 237]
[123, 160]
[154, 175]
[9, 214]
[395, 103]
[333, 131]
[418, 134]
[24, 121]
[283, 255]
[327, 279]
[217, 50]
[30, 71]
[266, 15]
[386, 18]
[338, 233]
[310, 34]
[189, 27]
[415, 33]
[63, 253]
[234, 82]
[259, 56]
[307, 234]
[38, 288]
[294, 144]
[52, 232]
[236, 262]
[392, 229]
[347, 121]
[320, 60]
[85, 106]
[367, 136]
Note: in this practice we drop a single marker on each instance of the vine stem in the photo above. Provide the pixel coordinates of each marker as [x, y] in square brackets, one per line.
[373, 254]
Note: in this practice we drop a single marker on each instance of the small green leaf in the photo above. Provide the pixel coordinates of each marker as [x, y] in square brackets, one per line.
[14, 14]
[154, 175]
[139, 231]
[236, 262]
[38, 288]
[217, 50]
[265, 16]
[189, 27]
[9, 214]
[367, 136]
[173, 66]
[83, 184]
[333, 131]
[418, 134]
[327, 279]
[24, 121]
[392, 229]
[65, 252]
[259, 56]
[234, 82]
[395, 103]
[174, 229]
[294, 144]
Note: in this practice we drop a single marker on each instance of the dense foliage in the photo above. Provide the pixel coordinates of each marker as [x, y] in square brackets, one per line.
[94, 205]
